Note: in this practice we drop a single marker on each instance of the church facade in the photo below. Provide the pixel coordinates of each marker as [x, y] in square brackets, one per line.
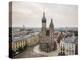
[47, 41]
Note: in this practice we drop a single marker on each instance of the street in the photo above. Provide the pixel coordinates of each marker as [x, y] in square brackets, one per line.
[28, 53]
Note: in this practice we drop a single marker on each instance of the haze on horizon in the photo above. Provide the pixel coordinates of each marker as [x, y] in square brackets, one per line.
[30, 14]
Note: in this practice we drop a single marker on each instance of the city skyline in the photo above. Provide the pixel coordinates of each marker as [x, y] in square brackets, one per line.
[30, 14]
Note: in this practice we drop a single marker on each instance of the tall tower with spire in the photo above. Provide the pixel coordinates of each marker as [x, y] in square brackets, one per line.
[43, 22]
[43, 27]
[43, 33]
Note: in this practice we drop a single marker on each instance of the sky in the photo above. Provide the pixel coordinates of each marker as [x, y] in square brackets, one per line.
[30, 14]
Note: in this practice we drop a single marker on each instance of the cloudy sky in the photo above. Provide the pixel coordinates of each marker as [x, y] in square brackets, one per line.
[30, 14]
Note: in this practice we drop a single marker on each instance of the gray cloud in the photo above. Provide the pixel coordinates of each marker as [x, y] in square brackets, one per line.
[30, 14]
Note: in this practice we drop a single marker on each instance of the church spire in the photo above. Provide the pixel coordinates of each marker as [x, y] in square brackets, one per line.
[51, 24]
[44, 18]
[43, 14]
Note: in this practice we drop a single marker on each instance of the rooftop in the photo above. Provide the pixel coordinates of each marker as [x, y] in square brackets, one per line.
[21, 37]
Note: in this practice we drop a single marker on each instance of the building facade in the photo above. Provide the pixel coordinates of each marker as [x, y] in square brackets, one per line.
[24, 41]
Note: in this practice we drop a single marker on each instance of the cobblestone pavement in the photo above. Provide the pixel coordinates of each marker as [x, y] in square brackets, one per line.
[28, 53]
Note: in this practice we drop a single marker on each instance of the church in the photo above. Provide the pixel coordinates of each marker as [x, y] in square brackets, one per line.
[47, 36]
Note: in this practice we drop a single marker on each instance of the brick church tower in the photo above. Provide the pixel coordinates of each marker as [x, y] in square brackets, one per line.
[47, 42]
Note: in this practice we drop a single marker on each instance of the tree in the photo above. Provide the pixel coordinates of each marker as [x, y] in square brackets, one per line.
[20, 49]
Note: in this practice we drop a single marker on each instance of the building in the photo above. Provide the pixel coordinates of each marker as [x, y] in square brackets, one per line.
[67, 45]
[48, 42]
[24, 41]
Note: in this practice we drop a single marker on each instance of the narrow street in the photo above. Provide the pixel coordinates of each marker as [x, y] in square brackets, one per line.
[28, 53]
